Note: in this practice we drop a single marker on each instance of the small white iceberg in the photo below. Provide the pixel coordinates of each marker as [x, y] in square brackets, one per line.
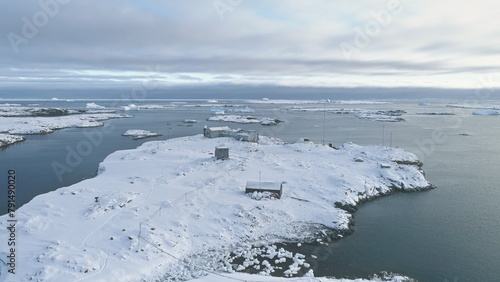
[244, 110]
[268, 121]
[140, 134]
[94, 106]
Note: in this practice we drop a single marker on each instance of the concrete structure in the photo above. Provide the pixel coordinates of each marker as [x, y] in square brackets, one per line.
[221, 153]
[259, 186]
[224, 131]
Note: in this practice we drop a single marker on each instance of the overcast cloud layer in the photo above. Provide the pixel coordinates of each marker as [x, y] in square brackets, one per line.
[71, 44]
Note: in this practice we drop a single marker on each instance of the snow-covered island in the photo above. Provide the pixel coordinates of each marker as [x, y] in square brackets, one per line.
[16, 119]
[376, 115]
[140, 134]
[134, 107]
[172, 210]
[435, 113]
[244, 119]
[42, 125]
[478, 107]
[32, 110]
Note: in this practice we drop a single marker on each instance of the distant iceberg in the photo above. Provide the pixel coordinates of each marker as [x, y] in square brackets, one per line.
[244, 110]
[486, 113]
[94, 106]
[217, 110]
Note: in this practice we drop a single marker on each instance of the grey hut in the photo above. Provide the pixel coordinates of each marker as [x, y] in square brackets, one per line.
[221, 153]
[258, 186]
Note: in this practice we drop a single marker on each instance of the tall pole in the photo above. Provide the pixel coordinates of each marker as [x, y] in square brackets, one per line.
[158, 141]
[324, 121]
[168, 132]
[383, 131]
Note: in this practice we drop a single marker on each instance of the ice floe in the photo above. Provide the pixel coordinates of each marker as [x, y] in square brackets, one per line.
[486, 113]
[140, 134]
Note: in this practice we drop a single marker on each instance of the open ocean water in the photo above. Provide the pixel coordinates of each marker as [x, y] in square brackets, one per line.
[447, 234]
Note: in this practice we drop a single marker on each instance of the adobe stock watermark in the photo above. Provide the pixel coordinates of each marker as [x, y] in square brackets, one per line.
[484, 91]
[84, 148]
[94, 137]
[363, 36]
[222, 7]
[31, 27]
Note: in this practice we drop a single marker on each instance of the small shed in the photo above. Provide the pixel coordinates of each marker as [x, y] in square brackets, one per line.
[221, 153]
[259, 186]
[214, 132]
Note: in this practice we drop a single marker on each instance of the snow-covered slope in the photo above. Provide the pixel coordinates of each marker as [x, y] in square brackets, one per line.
[153, 205]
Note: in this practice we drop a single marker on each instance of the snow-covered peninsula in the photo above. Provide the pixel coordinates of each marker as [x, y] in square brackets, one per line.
[8, 139]
[163, 208]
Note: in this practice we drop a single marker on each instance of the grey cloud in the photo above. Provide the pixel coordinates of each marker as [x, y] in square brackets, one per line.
[119, 37]
[188, 77]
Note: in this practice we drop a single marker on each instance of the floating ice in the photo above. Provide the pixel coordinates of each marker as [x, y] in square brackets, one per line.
[140, 134]
[486, 113]
[95, 106]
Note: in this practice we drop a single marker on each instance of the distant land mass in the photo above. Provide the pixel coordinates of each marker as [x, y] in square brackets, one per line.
[251, 91]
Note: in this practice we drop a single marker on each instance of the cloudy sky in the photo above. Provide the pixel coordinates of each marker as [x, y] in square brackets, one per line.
[111, 44]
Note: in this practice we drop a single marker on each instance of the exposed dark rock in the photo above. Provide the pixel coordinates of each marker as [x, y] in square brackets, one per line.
[49, 112]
